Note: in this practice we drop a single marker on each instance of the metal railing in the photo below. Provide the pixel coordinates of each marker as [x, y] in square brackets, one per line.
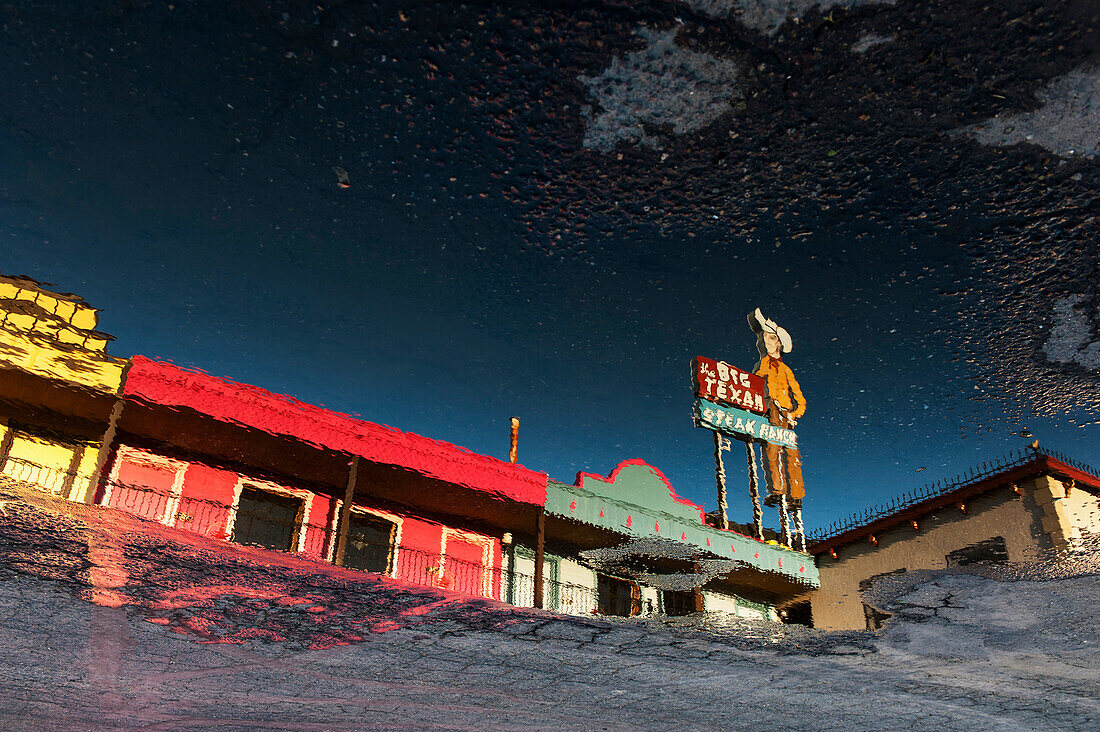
[43, 477]
[430, 569]
[215, 519]
[938, 488]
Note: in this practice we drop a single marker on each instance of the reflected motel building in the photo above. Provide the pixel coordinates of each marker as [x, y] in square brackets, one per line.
[236, 463]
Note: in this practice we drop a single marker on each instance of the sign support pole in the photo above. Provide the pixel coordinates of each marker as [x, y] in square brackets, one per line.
[799, 529]
[754, 491]
[720, 443]
[785, 520]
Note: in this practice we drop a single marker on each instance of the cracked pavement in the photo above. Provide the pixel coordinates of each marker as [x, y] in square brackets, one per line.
[111, 622]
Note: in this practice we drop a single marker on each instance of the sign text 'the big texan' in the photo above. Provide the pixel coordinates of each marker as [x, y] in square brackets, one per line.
[717, 381]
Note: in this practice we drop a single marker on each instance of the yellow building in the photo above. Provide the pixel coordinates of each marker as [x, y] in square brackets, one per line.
[1029, 509]
[58, 387]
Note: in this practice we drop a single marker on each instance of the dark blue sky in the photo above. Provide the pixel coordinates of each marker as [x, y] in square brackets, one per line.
[175, 168]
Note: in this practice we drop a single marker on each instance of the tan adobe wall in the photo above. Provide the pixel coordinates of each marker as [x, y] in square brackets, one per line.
[1000, 512]
[1069, 513]
[1083, 512]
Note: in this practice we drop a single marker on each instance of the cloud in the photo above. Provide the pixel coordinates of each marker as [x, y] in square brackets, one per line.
[1067, 124]
[1073, 339]
[662, 86]
[868, 41]
[767, 16]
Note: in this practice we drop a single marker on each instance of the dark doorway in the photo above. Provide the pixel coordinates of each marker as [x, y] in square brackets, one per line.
[267, 519]
[798, 613]
[617, 597]
[990, 550]
[678, 603]
[370, 543]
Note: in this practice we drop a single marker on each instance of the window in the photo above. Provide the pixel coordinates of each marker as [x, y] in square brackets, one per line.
[267, 519]
[798, 613]
[990, 550]
[678, 603]
[617, 597]
[370, 543]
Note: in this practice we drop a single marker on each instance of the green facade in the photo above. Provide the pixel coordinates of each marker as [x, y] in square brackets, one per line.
[637, 501]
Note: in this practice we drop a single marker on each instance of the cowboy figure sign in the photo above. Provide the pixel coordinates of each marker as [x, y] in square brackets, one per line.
[783, 465]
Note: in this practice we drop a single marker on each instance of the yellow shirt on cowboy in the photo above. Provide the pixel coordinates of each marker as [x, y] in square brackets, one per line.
[780, 383]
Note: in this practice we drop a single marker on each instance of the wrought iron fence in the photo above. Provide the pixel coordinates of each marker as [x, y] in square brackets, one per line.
[943, 487]
[411, 564]
[215, 518]
[42, 477]
[431, 569]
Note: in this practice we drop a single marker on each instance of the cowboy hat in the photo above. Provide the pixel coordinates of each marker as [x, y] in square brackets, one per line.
[760, 324]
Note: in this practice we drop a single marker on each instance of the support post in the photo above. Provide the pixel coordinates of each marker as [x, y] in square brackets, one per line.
[345, 513]
[698, 604]
[540, 554]
[720, 478]
[785, 520]
[508, 559]
[754, 491]
[70, 473]
[105, 446]
[799, 529]
[5, 445]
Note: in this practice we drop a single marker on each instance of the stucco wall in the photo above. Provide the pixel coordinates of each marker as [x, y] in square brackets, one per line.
[573, 573]
[719, 602]
[1082, 514]
[838, 605]
[39, 461]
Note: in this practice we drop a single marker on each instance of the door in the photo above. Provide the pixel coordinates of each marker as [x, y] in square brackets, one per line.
[465, 570]
[267, 519]
[520, 587]
[618, 597]
[370, 543]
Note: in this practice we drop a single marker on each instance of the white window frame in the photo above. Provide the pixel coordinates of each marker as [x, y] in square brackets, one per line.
[393, 518]
[267, 485]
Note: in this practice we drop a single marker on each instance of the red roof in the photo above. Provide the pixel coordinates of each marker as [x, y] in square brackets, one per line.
[162, 383]
[1039, 465]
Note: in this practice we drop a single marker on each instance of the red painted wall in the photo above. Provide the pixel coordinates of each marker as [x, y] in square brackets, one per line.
[318, 533]
[142, 489]
[206, 493]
